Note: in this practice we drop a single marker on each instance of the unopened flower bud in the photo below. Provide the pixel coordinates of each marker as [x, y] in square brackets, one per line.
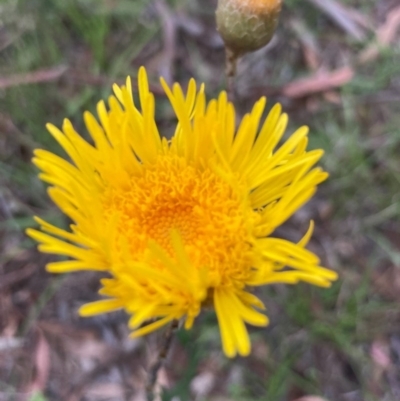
[247, 25]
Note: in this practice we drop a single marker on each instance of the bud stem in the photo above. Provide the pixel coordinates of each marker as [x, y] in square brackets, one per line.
[230, 71]
[231, 62]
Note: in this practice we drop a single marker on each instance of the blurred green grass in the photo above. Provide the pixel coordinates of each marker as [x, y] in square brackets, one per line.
[361, 137]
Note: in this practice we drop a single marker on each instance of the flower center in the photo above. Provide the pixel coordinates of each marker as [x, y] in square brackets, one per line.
[210, 215]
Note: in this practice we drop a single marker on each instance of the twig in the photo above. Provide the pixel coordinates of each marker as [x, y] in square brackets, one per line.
[75, 76]
[34, 77]
[169, 34]
[84, 78]
[348, 19]
[162, 355]
[9, 128]
[17, 275]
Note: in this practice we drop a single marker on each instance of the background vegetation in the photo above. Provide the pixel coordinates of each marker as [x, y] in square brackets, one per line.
[335, 66]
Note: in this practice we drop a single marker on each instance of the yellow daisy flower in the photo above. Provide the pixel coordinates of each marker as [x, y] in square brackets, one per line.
[183, 223]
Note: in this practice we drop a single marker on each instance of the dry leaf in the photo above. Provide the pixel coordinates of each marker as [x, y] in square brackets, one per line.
[311, 398]
[42, 365]
[385, 35]
[380, 354]
[320, 82]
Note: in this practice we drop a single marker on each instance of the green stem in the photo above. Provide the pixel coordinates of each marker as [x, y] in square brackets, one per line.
[162, 355]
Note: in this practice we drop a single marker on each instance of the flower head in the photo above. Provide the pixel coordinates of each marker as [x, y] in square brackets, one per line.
[182, 223]
[247, 25]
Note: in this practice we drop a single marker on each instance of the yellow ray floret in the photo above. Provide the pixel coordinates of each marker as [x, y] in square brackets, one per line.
[182, 223]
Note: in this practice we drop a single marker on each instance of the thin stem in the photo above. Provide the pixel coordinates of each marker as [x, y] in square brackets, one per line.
[155, 367]
[230, 72]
